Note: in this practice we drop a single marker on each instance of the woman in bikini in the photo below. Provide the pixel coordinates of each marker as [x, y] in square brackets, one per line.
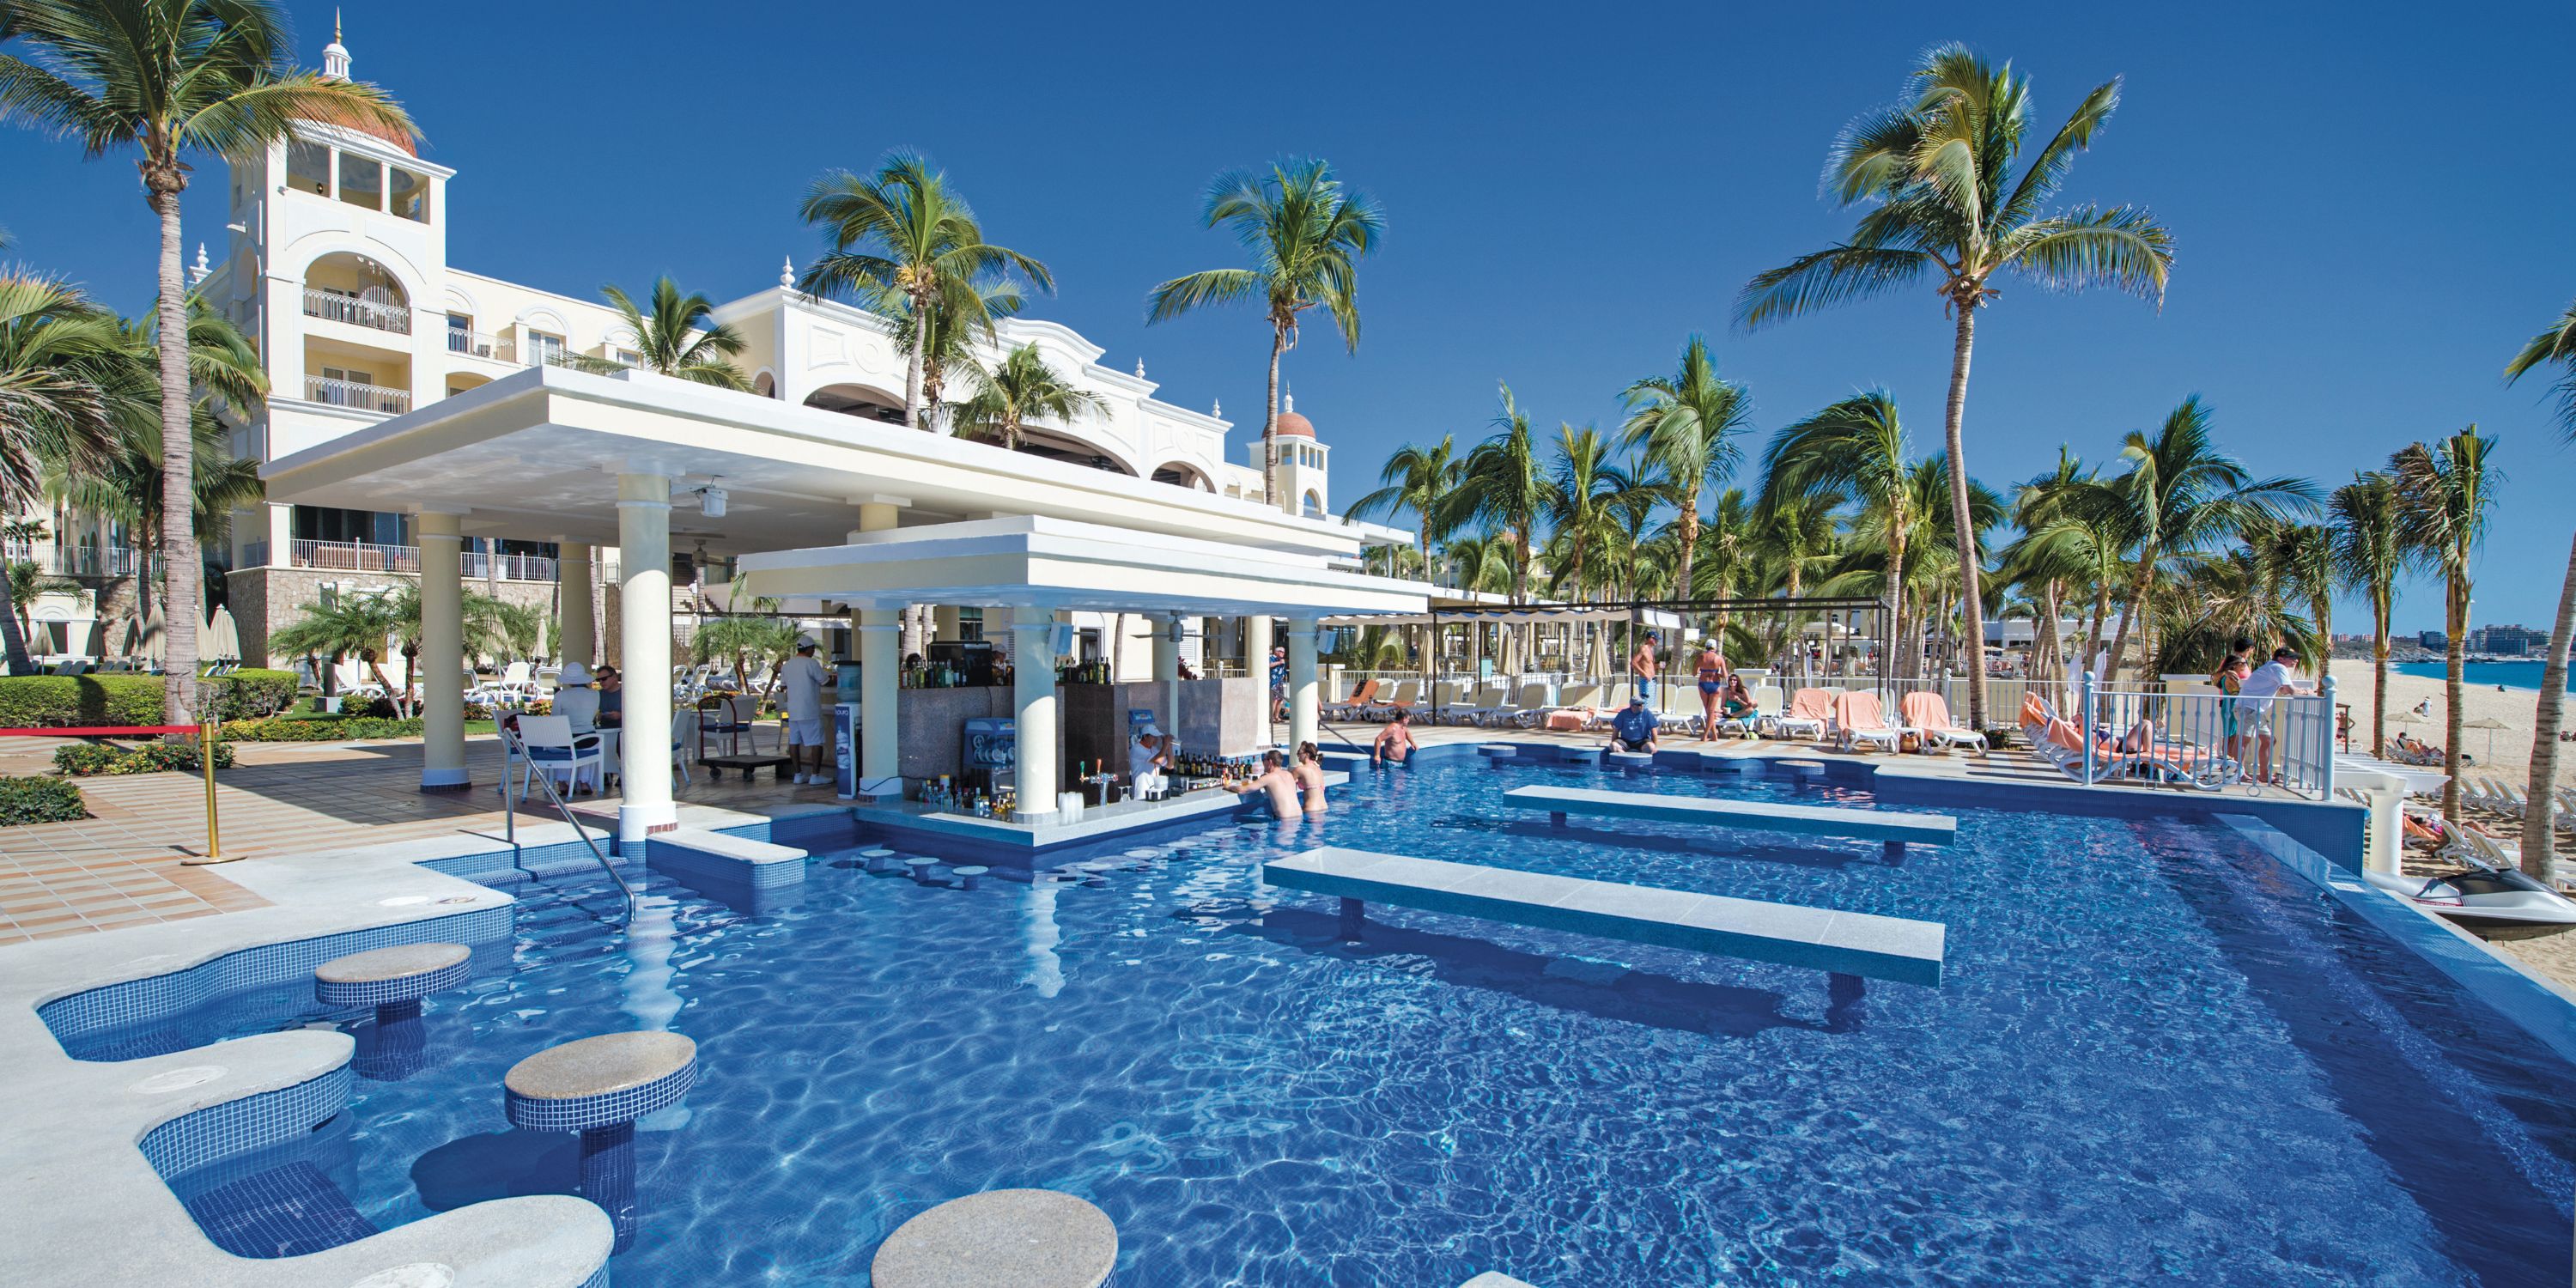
[1309, 772]
[1713, 674]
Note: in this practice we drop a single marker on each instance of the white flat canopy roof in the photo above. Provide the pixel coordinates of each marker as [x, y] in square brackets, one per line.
[1037, 562]
[535, 454]
[1653, 619]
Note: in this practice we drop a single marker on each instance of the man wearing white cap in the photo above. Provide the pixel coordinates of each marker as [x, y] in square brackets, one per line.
[1147, 759]
[804, 680]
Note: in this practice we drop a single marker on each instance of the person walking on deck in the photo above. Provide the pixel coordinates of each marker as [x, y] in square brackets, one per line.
[1713, 676]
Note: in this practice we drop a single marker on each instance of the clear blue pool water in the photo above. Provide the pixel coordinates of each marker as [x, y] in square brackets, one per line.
[2157, 1057]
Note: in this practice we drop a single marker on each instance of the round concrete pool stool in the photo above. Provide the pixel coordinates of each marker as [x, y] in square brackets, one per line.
[1629, 759]
[920, 866]
[392, 980]
[1805, 771]
[599, 1086]
[967, 875]
[1499, 751]
[1023, 1238]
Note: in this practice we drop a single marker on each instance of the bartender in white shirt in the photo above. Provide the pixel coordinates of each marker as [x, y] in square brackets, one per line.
[803, 679]
[1148, 758]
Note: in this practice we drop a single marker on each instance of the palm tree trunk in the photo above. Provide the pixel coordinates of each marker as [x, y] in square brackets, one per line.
[2379, 676]
[2455, 622]
[2045, 656]
[2538, 826]
[1682, 588]
[1964, 526]
[1895, 593]
[13, 634]
[912, 366]
[179, 562]
[2139, 589]
[1270, 419]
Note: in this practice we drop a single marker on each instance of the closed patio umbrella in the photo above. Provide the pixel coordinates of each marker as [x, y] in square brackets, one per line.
[224, 637]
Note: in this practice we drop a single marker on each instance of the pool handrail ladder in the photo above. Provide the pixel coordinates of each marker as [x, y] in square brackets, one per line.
[1894, 829]
[1844, 943]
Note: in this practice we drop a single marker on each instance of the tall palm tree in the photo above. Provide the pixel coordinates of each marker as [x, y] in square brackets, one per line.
[903, 232]
[168, 78]
[2371, 553]
[60, 357]
[1717, 553]
[678, 337]
[2553, 347]
[1414, 479]
[1307, 234]
[1022, 388]
[950, 342]
[2305, 555]
[2183, 496]
[1936, 170]
[1852, 452]
[1686, 424]
[1504, 485]
[2446, 493]
[1793, 538]
[1584, 483]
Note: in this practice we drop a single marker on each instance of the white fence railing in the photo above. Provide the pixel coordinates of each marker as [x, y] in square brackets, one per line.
[478, 565]
[354, 556]
[2209, 739]
[349, 393]
[335, 307]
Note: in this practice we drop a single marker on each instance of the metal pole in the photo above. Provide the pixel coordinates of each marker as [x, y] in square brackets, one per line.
[206, 752]
[2088, 728]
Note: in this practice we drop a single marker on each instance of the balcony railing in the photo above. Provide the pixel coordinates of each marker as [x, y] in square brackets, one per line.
[480, 344]
[93, 561]
[478, 565]
[349, 393]
[335, 307]
[353, 556]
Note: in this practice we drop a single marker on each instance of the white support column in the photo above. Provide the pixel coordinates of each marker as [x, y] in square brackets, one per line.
[580, 642]
[1256, 656]
[1305, 701]
[644, 643]
[1167, 671]
[442, 653]
[1033, 711]
[880, 704]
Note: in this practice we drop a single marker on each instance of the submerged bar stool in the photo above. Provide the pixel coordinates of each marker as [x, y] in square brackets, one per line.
[392, 980]
[1022, 1238]
[967, 875]
[599, 1086]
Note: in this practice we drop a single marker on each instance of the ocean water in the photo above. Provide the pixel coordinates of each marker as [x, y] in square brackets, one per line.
[2156, 1057]
[2512, 675]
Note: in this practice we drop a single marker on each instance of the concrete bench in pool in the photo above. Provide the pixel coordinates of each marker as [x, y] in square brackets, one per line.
[1845, 943]
[1895, 830]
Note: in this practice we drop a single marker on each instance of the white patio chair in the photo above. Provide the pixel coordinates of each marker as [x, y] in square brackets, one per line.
[551, 749]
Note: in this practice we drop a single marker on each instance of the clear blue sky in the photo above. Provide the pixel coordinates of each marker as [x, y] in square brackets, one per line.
[2370, 202]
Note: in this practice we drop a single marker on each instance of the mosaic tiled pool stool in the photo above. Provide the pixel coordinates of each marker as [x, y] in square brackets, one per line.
[599, 1086]
[392, 980]
[1629, 759]
[968, 875]
[1499, 751]
[1023, 1238]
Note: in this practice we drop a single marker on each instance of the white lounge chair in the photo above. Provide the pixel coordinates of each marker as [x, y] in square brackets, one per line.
[550, 748]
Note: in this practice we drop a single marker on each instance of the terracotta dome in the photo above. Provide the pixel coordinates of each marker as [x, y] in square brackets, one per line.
[1293, 425]
[394, 137]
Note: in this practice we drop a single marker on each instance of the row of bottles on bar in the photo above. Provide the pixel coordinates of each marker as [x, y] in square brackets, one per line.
[1082, 673]
[944, 792]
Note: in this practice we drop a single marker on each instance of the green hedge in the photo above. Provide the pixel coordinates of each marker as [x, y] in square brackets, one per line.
[39, 800]
[70, 701]
[320, 729]
[91, 759]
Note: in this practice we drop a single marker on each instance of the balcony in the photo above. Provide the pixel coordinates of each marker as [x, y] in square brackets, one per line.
[93, 561]
[333, 306]
[478, 566]
[478, 344]
[349, 393]
[353, 556]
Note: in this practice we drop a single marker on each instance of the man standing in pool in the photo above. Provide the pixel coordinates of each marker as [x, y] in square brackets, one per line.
[1713, 675]
[1275, 780]
[1394, 742]
[1642, 663]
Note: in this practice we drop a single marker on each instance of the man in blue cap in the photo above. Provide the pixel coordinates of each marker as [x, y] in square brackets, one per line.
[1633, 729]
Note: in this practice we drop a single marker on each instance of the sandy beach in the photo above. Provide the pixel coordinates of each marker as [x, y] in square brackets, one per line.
[2514, 708]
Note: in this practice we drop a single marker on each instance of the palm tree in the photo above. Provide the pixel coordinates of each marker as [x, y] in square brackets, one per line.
[949, 341]
[2446, 493]
[2370, 553]
[1022, 388]
[1307, 234]
[1685, 423]
[680, 337]
[1792, 538]
[762, 637]
[1505, 486]
[2305, 554]
[1937, 173]
[169, 78]
[1717, 552]
[1413, 479]
[1852, 452]
[903, 232]
[60, 360]
[1583, 485]
[2553, 347]
[2182, 496]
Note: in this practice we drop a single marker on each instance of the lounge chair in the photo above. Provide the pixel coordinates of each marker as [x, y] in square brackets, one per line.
[1408, 695]
[1928, 714]
[1350, 708]
[1858, 718]
[1810, 712]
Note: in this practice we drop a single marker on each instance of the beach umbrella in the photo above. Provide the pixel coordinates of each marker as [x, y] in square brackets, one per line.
[225, 636]
[2490, 724]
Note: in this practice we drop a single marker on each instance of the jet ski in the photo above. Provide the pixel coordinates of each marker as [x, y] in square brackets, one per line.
[2490, 903]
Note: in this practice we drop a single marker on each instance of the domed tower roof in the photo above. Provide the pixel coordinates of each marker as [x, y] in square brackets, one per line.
[335, 66]
[1292, 425]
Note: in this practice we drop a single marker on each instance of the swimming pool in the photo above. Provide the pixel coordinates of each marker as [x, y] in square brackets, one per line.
[2155, 1055]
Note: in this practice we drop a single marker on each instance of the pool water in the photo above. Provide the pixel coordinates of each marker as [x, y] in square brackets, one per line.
[2156, 1055]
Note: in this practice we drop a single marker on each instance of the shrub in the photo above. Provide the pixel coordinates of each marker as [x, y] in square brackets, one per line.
[71, 701]
[95, 759]
[318, 729]
[39, 800]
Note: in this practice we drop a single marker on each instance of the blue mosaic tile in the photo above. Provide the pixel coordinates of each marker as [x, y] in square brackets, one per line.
[156, 998]
[581, 1113]
[216, 1132]
[376, 992]
[282, 1212]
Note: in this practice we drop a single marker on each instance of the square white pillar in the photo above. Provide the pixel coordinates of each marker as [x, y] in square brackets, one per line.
[580, 641]
[442, 653]
[644, 643]
[1305, 701]
[1033, 712]
[880, 632]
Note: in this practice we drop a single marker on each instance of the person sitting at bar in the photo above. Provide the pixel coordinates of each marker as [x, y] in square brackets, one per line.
[1309, 773]
[1149, 758]
[575, 700]
[1394, 742]
[1274, 779]
[612, 698]
[1633, 729]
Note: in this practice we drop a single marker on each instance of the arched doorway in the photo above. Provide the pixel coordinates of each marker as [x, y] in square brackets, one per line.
[1183, 474]
[1064, 447]
[867, 402]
